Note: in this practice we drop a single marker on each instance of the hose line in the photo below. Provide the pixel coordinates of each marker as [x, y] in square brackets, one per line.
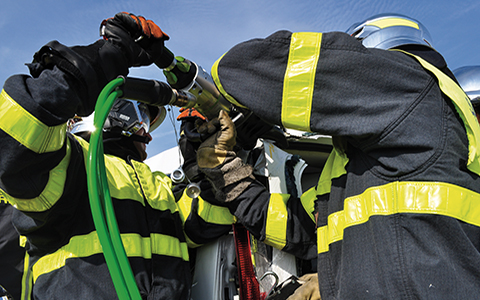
[101, 203]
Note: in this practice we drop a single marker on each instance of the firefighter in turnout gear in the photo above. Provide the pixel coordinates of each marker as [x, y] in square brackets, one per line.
[43, 173]
[398, 199]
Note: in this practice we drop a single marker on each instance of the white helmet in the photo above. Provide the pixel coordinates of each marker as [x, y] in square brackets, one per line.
[126, 116]
[387, 31]
[469, 79]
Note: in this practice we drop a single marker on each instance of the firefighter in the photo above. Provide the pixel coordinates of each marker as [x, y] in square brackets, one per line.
[397, 211]
[469, 79]
[43, 174]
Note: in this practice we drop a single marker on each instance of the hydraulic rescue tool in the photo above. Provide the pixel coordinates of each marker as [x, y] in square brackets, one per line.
[189, 86]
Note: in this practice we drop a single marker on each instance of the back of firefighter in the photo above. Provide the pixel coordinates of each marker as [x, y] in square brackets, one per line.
[397, 211]
[43, 174]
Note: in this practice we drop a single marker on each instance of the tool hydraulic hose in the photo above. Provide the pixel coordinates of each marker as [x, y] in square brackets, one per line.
[101, 202]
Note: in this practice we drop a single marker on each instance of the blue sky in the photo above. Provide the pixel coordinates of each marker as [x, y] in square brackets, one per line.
[203, 30]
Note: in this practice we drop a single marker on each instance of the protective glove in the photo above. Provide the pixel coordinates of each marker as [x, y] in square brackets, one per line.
[189, 141]
[141, 40]
[213, 151]
[309, 290]
[182, 74]
[226, 172]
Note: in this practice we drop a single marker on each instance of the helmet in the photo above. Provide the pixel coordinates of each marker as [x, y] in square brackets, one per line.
[387, 31]
[469, 80]
[125, 117]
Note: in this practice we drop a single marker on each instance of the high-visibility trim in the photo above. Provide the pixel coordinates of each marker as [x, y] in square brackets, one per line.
[89, 244]
[123, 183]
[27, 279]
[390, 22]
[51, 193]
[464, 108]
[276, 224]
[221, 89]
[308, 202]
[299, 80]
[28, 130]
[159, 196]
[184, 205]
[334, 168]
[435, 198]
[119, 176]
[210, 213]
[215, 214]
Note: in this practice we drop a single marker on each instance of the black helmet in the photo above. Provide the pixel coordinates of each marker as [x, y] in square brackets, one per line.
[126, 117]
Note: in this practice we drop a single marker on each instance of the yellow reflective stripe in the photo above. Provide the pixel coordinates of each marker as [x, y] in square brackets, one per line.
[299, 80]
[210, 213]
[389, 22]
[27, 279]
[28, 130]
[157, 188]
[23, 241]
[123, 183]
[51, 193]
[334, 168]
[465, 110]
[401, 197]
[184, 205]
[214, 214]
[277, 216]
[221, 89]
[308, 202]
[119, 176]
[89, 244]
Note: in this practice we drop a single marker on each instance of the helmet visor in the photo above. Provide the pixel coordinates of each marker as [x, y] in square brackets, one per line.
[144, 116]
[129, 116]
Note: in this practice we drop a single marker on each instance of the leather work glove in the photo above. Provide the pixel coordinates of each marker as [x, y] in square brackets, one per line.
[227, 173]
[214, 150]
[309, 290]
[141, 40]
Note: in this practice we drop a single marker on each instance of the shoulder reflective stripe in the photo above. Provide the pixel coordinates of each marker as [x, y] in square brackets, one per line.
[120, 176]
[27, 279]
[277, 217]
[28, 130]
[50, 194]
[123, 181]
[299, 80]
[465, 110]
[401, 197]
[156, 187]
[389, 22]
[89, 244]
[334, 168]
[219, 85]
[308, 202]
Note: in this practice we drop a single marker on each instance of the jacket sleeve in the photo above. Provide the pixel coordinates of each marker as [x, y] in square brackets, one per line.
[327, 83]
[203, 221]
[279, 220]
[35, 150]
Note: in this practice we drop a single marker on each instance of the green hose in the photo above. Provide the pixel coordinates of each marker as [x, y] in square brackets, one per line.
[101, 203]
